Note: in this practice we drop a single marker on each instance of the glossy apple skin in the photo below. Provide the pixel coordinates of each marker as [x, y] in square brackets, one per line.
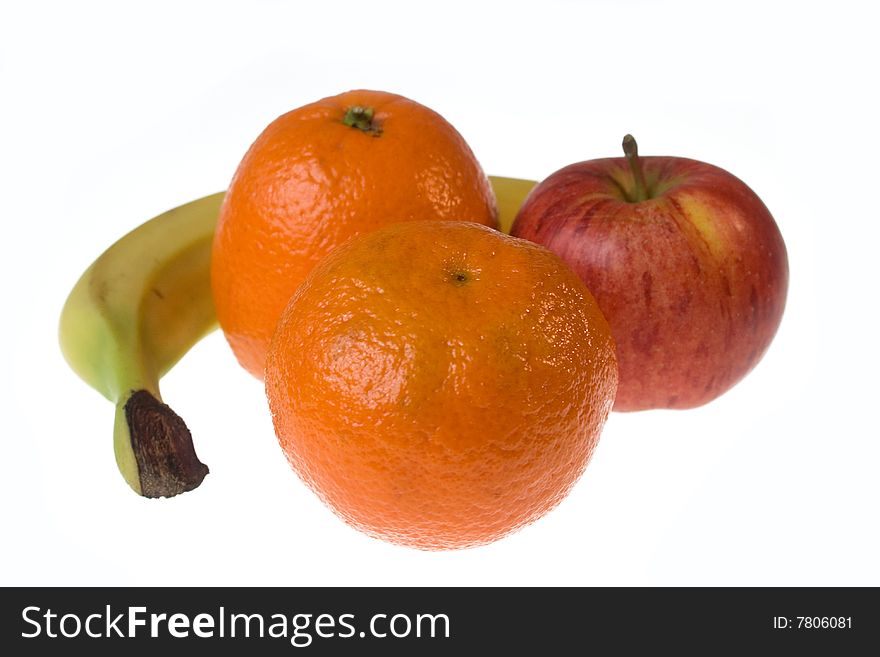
[692, 281]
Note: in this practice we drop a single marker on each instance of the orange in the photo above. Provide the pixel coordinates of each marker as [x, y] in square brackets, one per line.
[440, 384]
[315, 177]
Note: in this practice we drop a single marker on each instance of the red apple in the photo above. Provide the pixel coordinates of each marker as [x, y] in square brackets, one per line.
[685, 261]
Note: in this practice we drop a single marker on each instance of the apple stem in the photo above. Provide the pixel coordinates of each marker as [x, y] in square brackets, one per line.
[631, 150]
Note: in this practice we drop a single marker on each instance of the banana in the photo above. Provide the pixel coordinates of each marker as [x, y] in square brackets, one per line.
[133, 313]
[510, 194]
[138, 309]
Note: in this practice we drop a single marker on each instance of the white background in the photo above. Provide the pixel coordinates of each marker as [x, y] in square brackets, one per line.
[110, 114]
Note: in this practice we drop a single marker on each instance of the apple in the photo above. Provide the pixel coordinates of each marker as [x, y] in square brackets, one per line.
[683, 258]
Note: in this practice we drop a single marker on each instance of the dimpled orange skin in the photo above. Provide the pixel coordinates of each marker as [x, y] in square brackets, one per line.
[439, 384]
[310, 182]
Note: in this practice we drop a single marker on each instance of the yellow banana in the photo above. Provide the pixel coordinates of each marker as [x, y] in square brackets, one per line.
[138, 309]
[510, 194]
[133, 313]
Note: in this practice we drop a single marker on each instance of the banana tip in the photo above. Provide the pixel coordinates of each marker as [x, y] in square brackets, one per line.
[163, 447]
